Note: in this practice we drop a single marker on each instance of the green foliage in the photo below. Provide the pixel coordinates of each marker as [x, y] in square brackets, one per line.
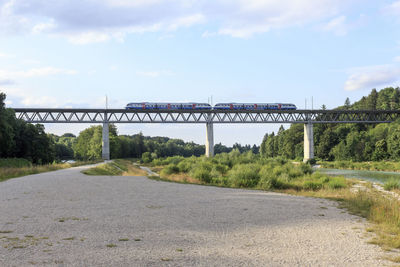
[104, 169]
[244, 175]
[15, 163]
[356, 142]
[22, 140]
[248, 170]
[392, 184]
[169, 169]
[146, 157]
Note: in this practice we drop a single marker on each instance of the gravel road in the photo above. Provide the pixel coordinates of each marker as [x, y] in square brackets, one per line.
[65, 218]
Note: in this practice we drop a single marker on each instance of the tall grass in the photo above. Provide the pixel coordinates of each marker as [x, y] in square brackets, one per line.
[368, 166]
[117, 167]
[22, 167]
[14, 163]
[392, 184]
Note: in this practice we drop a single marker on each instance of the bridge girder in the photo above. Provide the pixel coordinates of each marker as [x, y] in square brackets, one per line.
[204, 116]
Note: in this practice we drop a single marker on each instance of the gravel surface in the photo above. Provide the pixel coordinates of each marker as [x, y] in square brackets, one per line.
[65, 218]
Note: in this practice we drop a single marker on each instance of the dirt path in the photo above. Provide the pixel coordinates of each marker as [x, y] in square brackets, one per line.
[66, 218]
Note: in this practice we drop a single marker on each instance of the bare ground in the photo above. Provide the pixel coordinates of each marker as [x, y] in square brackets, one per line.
[68, 219]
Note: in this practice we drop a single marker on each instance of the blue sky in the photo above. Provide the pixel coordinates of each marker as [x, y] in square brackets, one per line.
[69, 53]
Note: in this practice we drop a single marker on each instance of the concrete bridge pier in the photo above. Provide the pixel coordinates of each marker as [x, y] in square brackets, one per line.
[105, 154]
[308, 142]
[210, 140]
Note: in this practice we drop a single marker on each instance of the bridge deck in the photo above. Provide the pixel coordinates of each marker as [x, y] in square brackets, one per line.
[56, 115]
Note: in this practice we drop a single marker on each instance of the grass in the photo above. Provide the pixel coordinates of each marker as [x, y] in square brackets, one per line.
[111, 245]
[392, 184]
[367, 166]
[118, 167]
[123, 239]
[12, 168]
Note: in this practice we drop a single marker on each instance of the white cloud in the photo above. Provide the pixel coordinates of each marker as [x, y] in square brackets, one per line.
[393, 8]
[396, 59]
[186, 21]
[88, 37]
[43, 27]
[372, 77]
[88, 21]
[35, 72]
[336, 25]
[154, 74]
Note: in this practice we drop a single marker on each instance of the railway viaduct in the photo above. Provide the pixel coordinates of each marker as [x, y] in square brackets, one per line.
[207, 117]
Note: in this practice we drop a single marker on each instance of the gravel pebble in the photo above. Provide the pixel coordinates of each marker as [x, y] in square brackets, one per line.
[65, 218]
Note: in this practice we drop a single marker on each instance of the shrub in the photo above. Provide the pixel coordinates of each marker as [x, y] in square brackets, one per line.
[169, 169]
[305, 168]
[146, 157]
[184, 166]
[312, 185]
[337, 183]
[392, 184]
[244, 175]
[311, 161]
[15, 163]
[201, 174]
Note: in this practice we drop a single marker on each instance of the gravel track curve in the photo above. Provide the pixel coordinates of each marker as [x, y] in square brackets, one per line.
[65, 218]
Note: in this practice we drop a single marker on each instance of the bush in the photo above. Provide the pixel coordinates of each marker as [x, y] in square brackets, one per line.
[337, 183]
[311, 161]
[146, 157]
[244, 175]
[184, 166]
[15, 163]
[312, 185]
[392, 184]
[201, 174]
[169, 169]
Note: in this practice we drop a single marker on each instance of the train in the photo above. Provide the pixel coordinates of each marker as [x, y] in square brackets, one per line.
[205, 106]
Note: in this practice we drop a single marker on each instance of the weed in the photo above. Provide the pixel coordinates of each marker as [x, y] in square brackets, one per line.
[69, 238]
[392, 184]
[111, 245]
[123, 239]
[5, 231]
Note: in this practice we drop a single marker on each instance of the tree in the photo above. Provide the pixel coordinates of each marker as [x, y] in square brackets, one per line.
[347, 103]
[372, 100]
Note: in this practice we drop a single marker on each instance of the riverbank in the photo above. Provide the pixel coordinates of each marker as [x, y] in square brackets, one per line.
[389, 166]
[67, 218]
[358, 198]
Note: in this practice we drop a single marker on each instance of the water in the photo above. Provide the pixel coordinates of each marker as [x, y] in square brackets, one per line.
[372, 176]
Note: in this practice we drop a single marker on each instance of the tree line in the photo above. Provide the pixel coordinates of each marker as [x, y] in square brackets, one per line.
[357, 142]
[23, 140]
[19, 139]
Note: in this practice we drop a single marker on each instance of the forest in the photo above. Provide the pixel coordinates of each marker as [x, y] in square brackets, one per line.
[356, 142]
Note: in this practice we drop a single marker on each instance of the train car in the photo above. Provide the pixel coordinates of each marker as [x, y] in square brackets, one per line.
[254, 106]
[168, 106]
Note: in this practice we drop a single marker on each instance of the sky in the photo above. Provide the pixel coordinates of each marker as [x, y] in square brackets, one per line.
[72, 54]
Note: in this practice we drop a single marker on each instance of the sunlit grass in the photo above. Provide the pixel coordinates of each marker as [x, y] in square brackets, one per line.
[12, 172]
[118, 167]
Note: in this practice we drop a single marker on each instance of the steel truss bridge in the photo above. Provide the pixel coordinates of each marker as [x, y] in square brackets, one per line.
[48, 115]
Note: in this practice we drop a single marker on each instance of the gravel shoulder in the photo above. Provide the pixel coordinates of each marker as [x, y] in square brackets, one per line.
[69, 219]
